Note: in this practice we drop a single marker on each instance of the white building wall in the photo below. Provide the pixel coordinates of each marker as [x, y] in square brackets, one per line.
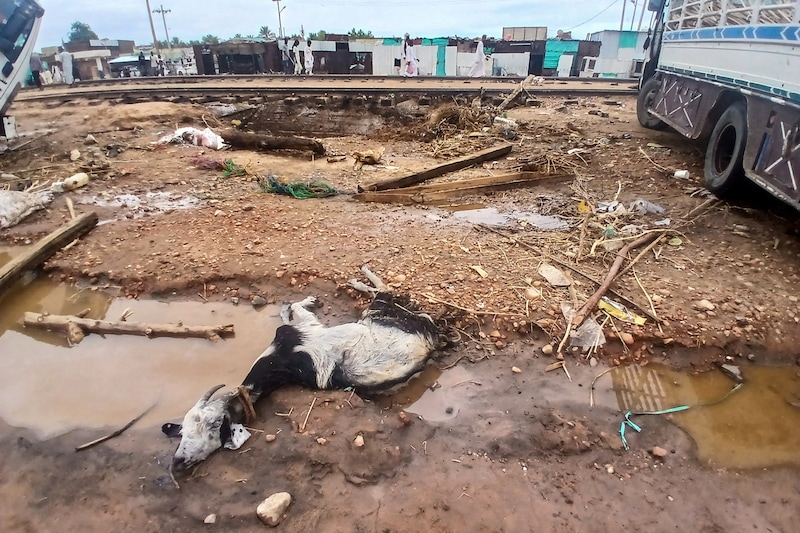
[510, 64]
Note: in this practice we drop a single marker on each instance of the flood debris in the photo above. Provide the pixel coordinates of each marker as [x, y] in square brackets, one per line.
[450, 166]
[16, 205]
[77, 327]
[116, 433]
[440, 192]
[298, 189]
[44, 249]
[272, 510]
[261, 142]
[367, 157]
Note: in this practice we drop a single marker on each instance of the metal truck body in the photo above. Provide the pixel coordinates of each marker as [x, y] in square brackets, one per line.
[19, 27]
[729, 70]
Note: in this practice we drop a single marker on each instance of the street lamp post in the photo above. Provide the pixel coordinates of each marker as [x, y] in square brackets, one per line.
[163, 13]
[280, 25]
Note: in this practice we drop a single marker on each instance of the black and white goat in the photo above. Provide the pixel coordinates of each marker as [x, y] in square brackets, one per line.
[387, 346]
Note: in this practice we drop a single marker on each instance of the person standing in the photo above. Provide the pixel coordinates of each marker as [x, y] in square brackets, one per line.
[66, 65]
[36, 69]
[478, 69]
[410, 67]
[286, 59]
[153, 64]
[309, 58]
[298, 66]
[142, 64]
[58, 76]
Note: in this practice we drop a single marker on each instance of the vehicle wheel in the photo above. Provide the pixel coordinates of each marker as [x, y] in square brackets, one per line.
[724, 169]
[647, 95]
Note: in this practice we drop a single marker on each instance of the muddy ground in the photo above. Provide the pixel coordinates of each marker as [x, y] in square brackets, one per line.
[524, 452]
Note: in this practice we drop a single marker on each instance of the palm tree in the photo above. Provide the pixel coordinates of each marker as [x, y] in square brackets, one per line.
[266, 33]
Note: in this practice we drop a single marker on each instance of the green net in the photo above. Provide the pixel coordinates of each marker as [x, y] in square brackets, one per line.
[314, 189]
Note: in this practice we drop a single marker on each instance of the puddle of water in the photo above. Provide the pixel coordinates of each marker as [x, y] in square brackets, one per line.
[104, 382]
[755, 427]
[490, 216]
[149, 204]
[433, 395]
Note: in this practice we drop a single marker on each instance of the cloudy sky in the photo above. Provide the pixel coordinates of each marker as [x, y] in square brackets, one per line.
[191, 19]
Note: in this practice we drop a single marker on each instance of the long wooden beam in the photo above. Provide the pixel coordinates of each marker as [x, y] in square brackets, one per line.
[450, 166]
[44, 249]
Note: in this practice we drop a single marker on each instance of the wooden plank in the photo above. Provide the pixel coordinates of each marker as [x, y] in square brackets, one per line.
[431, 194]
[510, 98]
[266, 143]
[44, 249]
[450, 166]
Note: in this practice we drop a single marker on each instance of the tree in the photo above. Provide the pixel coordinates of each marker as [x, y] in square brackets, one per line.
[80, 31]
[177, 43]
[237, 36]
[317, 36]
[266, 33]
[360, 34]
[209, 39]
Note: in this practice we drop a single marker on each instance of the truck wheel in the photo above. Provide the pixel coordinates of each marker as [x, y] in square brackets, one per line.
[647, 94]
[724, 169]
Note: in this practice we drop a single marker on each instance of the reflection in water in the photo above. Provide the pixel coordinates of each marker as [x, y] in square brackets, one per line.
[492, 217]
[106, 381]
[757, 426]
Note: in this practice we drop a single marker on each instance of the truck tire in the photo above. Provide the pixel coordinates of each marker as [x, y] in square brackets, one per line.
[724, 169]
[647, 95]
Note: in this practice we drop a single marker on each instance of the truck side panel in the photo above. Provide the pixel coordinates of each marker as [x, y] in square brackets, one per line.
[772, 156]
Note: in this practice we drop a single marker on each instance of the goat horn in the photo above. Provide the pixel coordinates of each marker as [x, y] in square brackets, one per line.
[207, 396]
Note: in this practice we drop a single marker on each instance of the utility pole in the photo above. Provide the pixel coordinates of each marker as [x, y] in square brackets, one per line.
[622, 19]
[163, 13]
[280, 25]
[152, 26]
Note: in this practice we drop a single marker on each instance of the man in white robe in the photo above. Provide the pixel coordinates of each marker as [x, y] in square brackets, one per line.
[478, 69]
[308, 57]
[66, 65]
[410, 63]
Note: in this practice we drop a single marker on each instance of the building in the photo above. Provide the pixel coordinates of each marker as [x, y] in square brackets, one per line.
[621, 55]
[91, 57]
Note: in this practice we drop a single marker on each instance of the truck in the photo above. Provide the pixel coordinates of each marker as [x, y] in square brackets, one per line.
[20, 21]
[728, 72]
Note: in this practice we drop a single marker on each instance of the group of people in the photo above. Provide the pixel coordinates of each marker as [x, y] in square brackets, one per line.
[290, 57]
[155, 66]
[409, 64]
[63, 69]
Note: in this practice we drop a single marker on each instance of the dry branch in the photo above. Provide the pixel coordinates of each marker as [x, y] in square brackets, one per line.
[76, 328]
[43, 249]
[451, 166]
[113, 434]
[260, 142]
[612, 274]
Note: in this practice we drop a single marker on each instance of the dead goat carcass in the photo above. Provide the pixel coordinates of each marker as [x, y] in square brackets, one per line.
[388, 345]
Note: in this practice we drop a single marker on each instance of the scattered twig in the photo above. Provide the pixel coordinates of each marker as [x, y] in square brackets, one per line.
[659, 167]
[116, 433]
[303, 427]
[598, 376]
[470, 311]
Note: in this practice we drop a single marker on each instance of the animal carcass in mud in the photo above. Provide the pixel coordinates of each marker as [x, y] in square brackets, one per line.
[388, 345]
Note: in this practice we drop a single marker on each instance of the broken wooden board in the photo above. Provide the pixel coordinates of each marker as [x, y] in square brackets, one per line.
[510, 98]
[439, 192]
[77, 327]
[44, 249]
[261, 142]
[450, 166]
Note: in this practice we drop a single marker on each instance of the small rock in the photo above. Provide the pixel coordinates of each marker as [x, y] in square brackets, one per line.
[609, 469]
[658, 451]
[733, 372]
[516, 369]
[358, 442]
[751, 357]
[74, 155]
[271, 510]
[235, 300]
[532, 294]
[626, 337]
[404, 418]
[270, 437]
[547, 349]
[593, 362]
[279, 274]
[704, 305]
[322, 441]
[210, 519]
[258, 301]
[90, 139]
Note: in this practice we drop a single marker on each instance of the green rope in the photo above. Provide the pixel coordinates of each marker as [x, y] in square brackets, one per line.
[313, 189]
[629, 423]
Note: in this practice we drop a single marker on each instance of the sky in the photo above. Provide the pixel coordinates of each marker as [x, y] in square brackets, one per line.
[191, 19]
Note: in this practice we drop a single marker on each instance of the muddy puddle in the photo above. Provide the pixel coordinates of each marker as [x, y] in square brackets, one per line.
[126, 206]
[490, 216]
[52, 388]
[756, 425]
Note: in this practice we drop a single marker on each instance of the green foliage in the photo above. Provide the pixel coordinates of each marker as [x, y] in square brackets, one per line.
[318, 35]
[209, 39]
[237, 36]
[80, 31]
[266, 33]
[360, 34]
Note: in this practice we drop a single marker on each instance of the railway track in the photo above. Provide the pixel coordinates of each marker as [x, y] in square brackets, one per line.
[264, 88]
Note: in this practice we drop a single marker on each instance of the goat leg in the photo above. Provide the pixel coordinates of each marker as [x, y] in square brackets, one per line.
[362, 287]
[375, 280]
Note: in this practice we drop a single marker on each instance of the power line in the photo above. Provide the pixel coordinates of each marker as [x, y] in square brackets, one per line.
[593, 17]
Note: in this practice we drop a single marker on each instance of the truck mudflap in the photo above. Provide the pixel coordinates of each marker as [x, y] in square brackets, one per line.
[772, 156]
[685, 103]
